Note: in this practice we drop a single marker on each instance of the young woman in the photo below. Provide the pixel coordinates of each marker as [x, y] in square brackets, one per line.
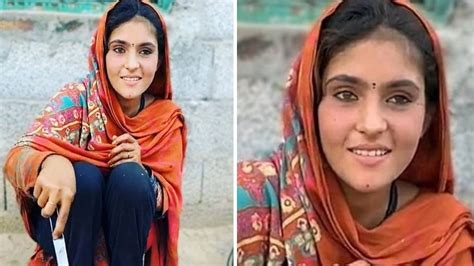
[106, 154]
[364, 175]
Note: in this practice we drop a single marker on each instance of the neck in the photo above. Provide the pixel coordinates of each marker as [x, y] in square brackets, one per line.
[367, 208]
[129, 106]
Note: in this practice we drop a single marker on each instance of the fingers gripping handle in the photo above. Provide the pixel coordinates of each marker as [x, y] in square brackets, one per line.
[59, 247]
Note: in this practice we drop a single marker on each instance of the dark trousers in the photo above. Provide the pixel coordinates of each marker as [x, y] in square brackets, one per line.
[122, 203]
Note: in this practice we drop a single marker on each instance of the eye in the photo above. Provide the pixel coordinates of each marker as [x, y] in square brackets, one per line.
[346, 96]
[399, 100]
[146, 52]
[119, 50]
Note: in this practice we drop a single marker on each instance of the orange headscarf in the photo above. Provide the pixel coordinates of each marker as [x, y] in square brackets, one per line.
[291, 208]
[79, 123]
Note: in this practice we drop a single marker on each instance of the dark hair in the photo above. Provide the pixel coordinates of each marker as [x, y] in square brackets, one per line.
[356, 19]
[126, 10]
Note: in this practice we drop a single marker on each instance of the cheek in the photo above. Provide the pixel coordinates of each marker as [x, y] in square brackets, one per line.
[408, 128]
[113, 65]
[150, 66]
[335, 123]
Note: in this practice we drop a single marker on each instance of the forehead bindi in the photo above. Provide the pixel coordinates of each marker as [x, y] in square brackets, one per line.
[125, 43]
[134, 33]
[354, 81]
[375, 62]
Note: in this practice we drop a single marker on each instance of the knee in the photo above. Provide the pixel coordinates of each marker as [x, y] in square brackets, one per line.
[130, 181]
[89, 181]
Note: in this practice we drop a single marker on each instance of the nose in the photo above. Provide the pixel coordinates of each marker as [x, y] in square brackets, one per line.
[371, 121]
[132, 62]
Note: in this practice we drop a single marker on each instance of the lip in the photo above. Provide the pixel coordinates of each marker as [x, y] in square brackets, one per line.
[370, 161]
[131, 83]
[374, 146]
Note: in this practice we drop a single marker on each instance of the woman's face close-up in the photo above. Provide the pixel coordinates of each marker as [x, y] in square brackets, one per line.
[372, 112]
[132, 58]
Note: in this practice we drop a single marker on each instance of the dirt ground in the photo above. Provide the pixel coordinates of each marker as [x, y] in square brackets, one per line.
[203, 246]
[204, 240]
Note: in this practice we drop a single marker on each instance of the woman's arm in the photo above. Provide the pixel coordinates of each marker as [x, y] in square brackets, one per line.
[158, 191]
[169, 172]
[44, 177]
[22, 167]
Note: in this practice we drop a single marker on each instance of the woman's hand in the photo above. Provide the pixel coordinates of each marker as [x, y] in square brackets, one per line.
[126, 149]
[55, 186]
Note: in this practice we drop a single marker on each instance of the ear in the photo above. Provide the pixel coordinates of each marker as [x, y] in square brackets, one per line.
[428, 118]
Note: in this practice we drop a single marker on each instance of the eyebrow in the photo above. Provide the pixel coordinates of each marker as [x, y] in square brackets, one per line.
[346, 78]
[401, 83]
[127, 44]
[357, 81]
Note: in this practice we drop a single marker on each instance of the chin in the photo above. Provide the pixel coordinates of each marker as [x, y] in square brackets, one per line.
[367, 184]
[366, 188]
[127, 94]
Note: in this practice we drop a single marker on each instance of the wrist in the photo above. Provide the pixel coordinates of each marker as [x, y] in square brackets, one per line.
[53, 158]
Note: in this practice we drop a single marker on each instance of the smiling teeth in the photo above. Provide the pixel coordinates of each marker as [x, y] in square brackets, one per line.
[371, 153]
[131, 79]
